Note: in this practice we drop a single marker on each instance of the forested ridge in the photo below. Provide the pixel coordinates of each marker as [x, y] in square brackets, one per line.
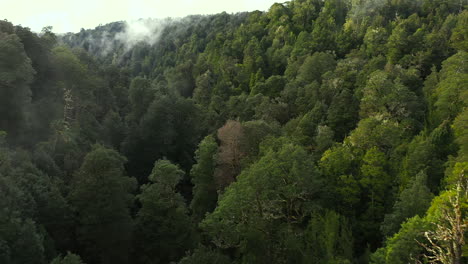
[331, 132]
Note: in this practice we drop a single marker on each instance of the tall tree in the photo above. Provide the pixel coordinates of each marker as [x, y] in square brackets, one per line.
[230, 153]
[260, 215]
[414, 200]
[16, 75]
[204, 190]
[101, 196]
[163, 228]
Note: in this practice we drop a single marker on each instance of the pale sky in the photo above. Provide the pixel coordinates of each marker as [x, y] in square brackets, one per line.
[71, 16]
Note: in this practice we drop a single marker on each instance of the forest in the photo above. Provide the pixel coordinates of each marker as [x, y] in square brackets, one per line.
[328, 132]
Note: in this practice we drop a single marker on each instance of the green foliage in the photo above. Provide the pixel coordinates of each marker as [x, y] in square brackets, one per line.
[449, 93]
[140, 95]
[162, 225]
[402, 247]
[374, 41]
[390, 99]
[315, 66]
[20, 239]
[461, 133]
[271, 87]
[372, 92]
[176, 121]
[101, 180]
[330, 237]
[342, 115]
[16, 73]
[405, 39]
[414, 200]
[375, 132]
[261, 211]
[70, 258]
[202, 174]
[375, 182]
[460, 33]
[205, 255]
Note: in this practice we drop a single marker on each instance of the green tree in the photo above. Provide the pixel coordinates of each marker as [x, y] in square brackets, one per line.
[383, 96]
[376, 183]
[271, 87]
[259, 214]
[450, 93]
[203, 89]
[330, 239]
[343, 114]
[163, 228]
[16, 75]
[414, 200]
[315, 66]
[70, 258]
[402, 247]
[376, 131]
[375, 40]
[459, 37]
[20, 238]
[405, 39]
[170, 128]
[101, 196]
[113, 130]
[325, 29]
[202, 173]
[205, 255]
[140, 95]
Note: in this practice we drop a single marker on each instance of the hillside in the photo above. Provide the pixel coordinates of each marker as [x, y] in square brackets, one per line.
[327, 132]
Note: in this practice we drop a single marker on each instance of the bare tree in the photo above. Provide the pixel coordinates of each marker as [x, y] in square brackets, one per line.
[446, 242]
[230, 153]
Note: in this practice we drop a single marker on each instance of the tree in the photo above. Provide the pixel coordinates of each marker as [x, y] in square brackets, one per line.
[402, 247]
[374, 131]
[461, 133]
[35, 218]
[330, 237]
[141, 95]
[230, 153]
[271, 87]
[375, 183]
[315, 66]
[375, 40]
[15, 93]
[202, 173]
[170, 128]
[163, 228]
[203, 89]
[20, 239]
[254, 133]
[446, 241]
[382, 96]
[404, 40]
[324, 30]
[343, 114]
[414, 200]
[459, 37]
[449, 93]
[101, 196]
[70, 258]
[260, 214]
[323, 139]
[205, 255]
[113, 130]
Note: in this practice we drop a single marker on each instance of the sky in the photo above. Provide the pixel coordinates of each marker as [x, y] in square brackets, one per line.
[72, 15]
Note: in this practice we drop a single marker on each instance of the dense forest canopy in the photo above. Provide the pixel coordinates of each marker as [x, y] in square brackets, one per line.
[327, 132]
